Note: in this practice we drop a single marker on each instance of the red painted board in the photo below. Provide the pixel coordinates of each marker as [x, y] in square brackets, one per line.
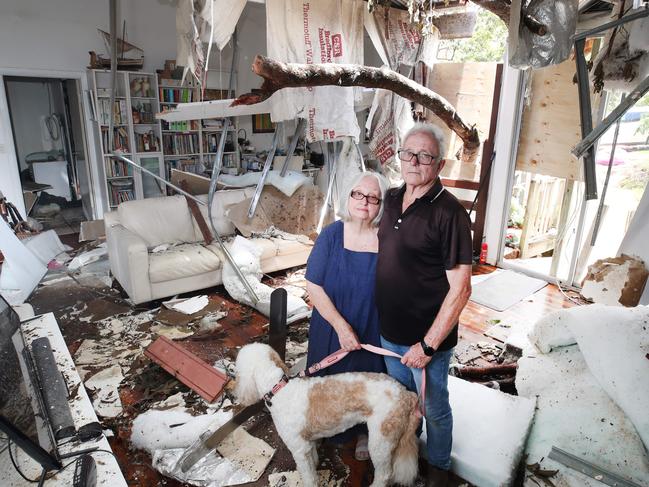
[187, 368]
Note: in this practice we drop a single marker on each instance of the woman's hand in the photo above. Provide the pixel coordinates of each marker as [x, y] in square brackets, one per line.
[347, 337]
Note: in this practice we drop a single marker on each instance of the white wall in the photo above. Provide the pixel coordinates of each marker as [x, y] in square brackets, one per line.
[637, 236]
[57, 34]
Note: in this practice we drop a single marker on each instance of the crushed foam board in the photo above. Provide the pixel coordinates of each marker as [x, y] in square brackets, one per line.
[210, 322]
[46, 245]
[484, 416]
[551, 331]
[292, 479]
[617, 281]
[574, 413]
[104, 387]
[86, 258]
[164, 430]
[246, 255]
[287, 184]
[187, 306]
[615, 345]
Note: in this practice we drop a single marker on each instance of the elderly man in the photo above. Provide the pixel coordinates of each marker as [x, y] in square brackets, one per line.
[423, 281]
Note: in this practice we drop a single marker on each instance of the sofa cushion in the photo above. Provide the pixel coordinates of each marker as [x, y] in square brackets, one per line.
[272, 247]
[158, 220]
[182, 261]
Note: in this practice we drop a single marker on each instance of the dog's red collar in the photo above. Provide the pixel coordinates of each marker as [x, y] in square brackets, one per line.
[276, 388]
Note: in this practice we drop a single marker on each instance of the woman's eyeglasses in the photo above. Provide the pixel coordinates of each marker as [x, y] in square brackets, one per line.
[423, 158]
[372, 200]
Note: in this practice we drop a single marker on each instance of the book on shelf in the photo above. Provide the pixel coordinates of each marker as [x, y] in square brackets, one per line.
[120, 139]
[186, 164]
[180, 126]
[175, 95]
[119, 112]
[179, 144]
[117, 169]
[147, 142]
[121, 190]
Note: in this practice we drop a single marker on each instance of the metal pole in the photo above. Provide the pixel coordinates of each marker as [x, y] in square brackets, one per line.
[600, 207]
[331, 165]
[301, 125]
[360, 155]
[590, 177]
[113, 72]
[264, 173]
[217, 237]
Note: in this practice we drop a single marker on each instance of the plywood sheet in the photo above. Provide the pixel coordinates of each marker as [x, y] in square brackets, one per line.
[551, 125]
[469, 88]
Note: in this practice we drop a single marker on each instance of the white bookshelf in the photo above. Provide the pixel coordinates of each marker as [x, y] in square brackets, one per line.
[191, 145]
[137, 133]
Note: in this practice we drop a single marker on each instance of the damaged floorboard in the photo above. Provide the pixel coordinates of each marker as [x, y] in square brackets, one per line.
[79, 305]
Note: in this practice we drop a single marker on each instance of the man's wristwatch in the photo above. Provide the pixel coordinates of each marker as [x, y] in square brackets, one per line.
[428, 350]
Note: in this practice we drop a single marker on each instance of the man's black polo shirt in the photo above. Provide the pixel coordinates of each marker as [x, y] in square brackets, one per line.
[416, 249]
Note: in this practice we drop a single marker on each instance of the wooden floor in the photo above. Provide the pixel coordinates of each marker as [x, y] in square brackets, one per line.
[476, 319]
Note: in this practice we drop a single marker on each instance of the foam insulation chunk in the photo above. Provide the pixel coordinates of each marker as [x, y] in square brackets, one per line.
[617, 281]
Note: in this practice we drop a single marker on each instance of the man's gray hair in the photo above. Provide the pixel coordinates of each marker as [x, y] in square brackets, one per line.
[343, 208]
[432, 131]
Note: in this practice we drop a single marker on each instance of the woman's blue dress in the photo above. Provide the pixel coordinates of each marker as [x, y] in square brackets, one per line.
[348, 279]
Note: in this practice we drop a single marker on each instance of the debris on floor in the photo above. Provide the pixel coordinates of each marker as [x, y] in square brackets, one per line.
[87, 257]
[618, 281]
[583, 390]
[292, 479]
[187, 306]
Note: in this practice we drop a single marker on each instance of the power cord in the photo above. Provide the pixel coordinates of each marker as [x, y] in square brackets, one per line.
[72, 455]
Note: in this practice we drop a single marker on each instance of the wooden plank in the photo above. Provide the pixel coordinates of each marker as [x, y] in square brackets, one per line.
[551, 126]
[461, 184]
[469, 87]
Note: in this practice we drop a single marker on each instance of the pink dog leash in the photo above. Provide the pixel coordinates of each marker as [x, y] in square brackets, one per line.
[337, 356]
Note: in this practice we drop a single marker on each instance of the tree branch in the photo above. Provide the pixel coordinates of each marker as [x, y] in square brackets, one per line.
[502, 8]
[278, 75]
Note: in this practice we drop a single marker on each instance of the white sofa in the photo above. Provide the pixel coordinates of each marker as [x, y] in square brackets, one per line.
[137, 227]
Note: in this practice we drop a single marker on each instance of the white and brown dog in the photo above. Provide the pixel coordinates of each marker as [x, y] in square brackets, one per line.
[307, 409]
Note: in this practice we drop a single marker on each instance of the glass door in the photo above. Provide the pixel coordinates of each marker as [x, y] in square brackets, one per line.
[151, 188]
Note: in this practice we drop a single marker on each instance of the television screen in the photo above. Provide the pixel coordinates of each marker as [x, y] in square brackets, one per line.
[16, 403]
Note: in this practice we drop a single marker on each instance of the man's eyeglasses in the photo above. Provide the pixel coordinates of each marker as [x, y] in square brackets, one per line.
[423, 158]
[372, 200]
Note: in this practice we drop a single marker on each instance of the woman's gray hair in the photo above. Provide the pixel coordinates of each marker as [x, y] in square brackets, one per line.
[343, 207]
[432, 131]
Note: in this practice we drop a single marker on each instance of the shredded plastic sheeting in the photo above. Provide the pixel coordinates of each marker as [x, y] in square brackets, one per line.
[529, 50]
[490, 429]
[246, 255]
[574, 412]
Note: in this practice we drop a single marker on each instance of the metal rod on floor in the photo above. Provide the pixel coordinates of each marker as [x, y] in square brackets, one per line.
[301, 125]
[217, 237]
[264, 173]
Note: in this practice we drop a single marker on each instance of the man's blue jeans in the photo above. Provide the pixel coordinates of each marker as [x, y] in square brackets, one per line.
[439, 418]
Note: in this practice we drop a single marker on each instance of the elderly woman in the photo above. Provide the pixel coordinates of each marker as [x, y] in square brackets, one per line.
[340, 274]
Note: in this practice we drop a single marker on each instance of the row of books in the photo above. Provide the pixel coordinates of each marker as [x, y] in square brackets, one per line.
[176, 95]
[120, 191]
[120, 139]
[147, 142]
[119, 112]
[180, 126]
[116, 169]
[186, 164]
[210, 142]
[180, 143]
